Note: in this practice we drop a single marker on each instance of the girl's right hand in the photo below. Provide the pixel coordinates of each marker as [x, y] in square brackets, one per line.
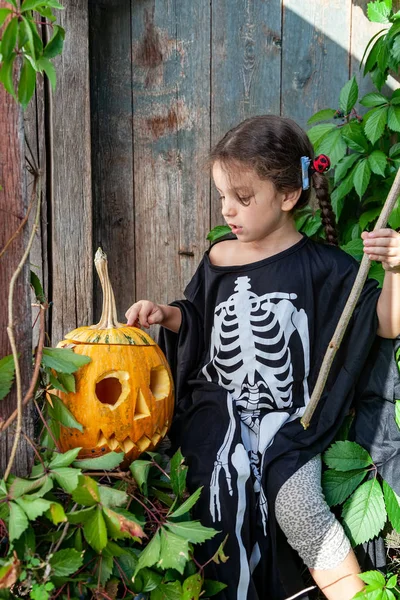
[144, 313]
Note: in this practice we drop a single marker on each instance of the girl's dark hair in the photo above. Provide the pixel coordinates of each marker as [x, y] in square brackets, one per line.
[273, 146]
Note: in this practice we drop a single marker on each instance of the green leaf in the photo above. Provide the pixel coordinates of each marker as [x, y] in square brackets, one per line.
[54, 4]
[344, 165]
[140, 471]
[63, 460]
[187, 505]
[397, 413]
[45, 65]
[111, 496]
[56, 513]
[9, 39]
[377, 272]
[394, 118]
[67, 478]
[369, 216]
[364, 513]
[338, 195]
[347, 456]
[322, 115]
[167, 591]
[333, 145]
[55, 45]
[394, 219]
[6, 75]
[378, 12]
[178, 474]
[362, 176]
[317, 133]
[392, 503]
[59, 412]
[19, 487]
[18, 521]
[7, 372]
[374, 99]
[95, 530]
[63, 359]
[354, 136]
[34, 4]
[375, 125]
[4, 12]
[192, 531]
[191, 587]
[211, 587]
[370, 577]
[394, 150]
[87, 491]
[218, 232]
[65, 562]
[150, 554]
[373, 55]
[377, 162]
[348, 95]
[33, 508]
[392, 581]
[174, 551]
[104, 568]
[78, 517]
[37, 287]
[102, 463]
[312, 225]
[338, 485]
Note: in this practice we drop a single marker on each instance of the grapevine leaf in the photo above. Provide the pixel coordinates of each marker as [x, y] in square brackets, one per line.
[33, 508]
[338, 485]
[151, 554]
[191, 587]
[338, 195]
[193, 531]
[167, 591]
[63, 460]
[18, 521]
[375, 125]
[56, 513]
[55, 45]
[67, 478]
[187, 505]
[392, 503]
[7, 372]
[370, 577]
[333, 145]
[37, 288]
[394, 219]
[45, 65]
[112, 497]
[344, 165]
[362, 176]
[6, 75]
[102, 463]
[355, 249]
[218, 232]
[95, 531]
[174, 551]
[65, 562]
[322, 115]
[364, 513]
[4, 12]
[354, 136]
[394, 118]
[369, 216]
[19, 487]
[348, 95]
[9, 38]
[378, 12]
[373, 55]
[59, 412]
[373, 99]
[211, 587]
[377, 162]
[140, 471]
[63, 359]
[178, 474]
[86, 492]
[347, 456]
[318, 132]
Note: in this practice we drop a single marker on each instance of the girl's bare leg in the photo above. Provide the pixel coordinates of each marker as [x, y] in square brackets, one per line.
[342, 582]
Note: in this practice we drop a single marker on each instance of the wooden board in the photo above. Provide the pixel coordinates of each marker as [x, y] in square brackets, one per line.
[315, 56]
[112, 147]
[171, 126]
[245, 67]
[70, 189]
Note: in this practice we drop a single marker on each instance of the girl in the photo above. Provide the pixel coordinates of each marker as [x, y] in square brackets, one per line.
[246, 347]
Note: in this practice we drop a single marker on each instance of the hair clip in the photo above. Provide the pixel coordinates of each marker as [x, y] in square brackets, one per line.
[321, 163]
[305, 162]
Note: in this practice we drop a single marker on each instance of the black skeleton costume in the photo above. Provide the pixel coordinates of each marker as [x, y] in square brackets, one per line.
[245, 362]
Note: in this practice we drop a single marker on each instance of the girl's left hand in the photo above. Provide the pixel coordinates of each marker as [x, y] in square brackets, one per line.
[383, 245]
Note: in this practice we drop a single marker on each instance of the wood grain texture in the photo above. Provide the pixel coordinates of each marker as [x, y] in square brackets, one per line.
[171, 124]
[71, 197]
[315, 56]
[245, 67]
[112, 147]
[13, 206]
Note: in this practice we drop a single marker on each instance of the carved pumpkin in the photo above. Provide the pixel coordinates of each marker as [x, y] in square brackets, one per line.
[124, 396]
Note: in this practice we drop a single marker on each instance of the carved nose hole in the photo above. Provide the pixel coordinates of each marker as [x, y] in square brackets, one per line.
[108, 390]
[159, 382]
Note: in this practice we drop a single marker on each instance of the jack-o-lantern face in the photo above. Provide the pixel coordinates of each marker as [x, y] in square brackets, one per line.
[124, 397]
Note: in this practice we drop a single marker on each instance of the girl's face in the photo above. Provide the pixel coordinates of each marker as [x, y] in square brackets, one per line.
[252, 207]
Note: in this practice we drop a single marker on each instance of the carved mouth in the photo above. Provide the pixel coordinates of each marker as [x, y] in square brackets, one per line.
[128, 444]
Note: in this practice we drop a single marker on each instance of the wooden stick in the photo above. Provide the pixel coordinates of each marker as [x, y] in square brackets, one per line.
[349, 308]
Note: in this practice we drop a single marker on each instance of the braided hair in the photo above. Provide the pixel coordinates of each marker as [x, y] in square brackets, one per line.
[273, 147]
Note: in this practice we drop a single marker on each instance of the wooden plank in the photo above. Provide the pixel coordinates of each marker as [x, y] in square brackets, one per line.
[71, 198]
[13, 206]
[171, 94]
[246, 66]
[315, 56]
[112, 146]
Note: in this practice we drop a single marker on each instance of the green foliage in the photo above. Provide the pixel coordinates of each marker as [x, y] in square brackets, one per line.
[7, 372]
[121, 533]
[378, 586]
[21, 43]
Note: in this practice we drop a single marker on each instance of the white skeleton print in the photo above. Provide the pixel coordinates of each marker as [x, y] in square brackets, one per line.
[250, 357]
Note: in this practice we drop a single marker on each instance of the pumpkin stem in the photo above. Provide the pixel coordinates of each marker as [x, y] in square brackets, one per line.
[108, 318]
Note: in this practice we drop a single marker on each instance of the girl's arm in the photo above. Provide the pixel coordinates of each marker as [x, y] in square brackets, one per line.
[383, 245]
[146, 313]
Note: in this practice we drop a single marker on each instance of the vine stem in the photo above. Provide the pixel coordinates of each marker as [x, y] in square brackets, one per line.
[10, 327]
[348, 310]
[39, 354]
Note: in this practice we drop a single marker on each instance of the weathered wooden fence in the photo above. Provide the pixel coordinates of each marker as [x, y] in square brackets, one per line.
[144, 89]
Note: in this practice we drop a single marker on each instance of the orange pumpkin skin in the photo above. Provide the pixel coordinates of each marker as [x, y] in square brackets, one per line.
[124, 399]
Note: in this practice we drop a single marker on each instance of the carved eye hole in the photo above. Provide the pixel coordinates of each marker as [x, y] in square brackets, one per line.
[112, 388]
[160, 385]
